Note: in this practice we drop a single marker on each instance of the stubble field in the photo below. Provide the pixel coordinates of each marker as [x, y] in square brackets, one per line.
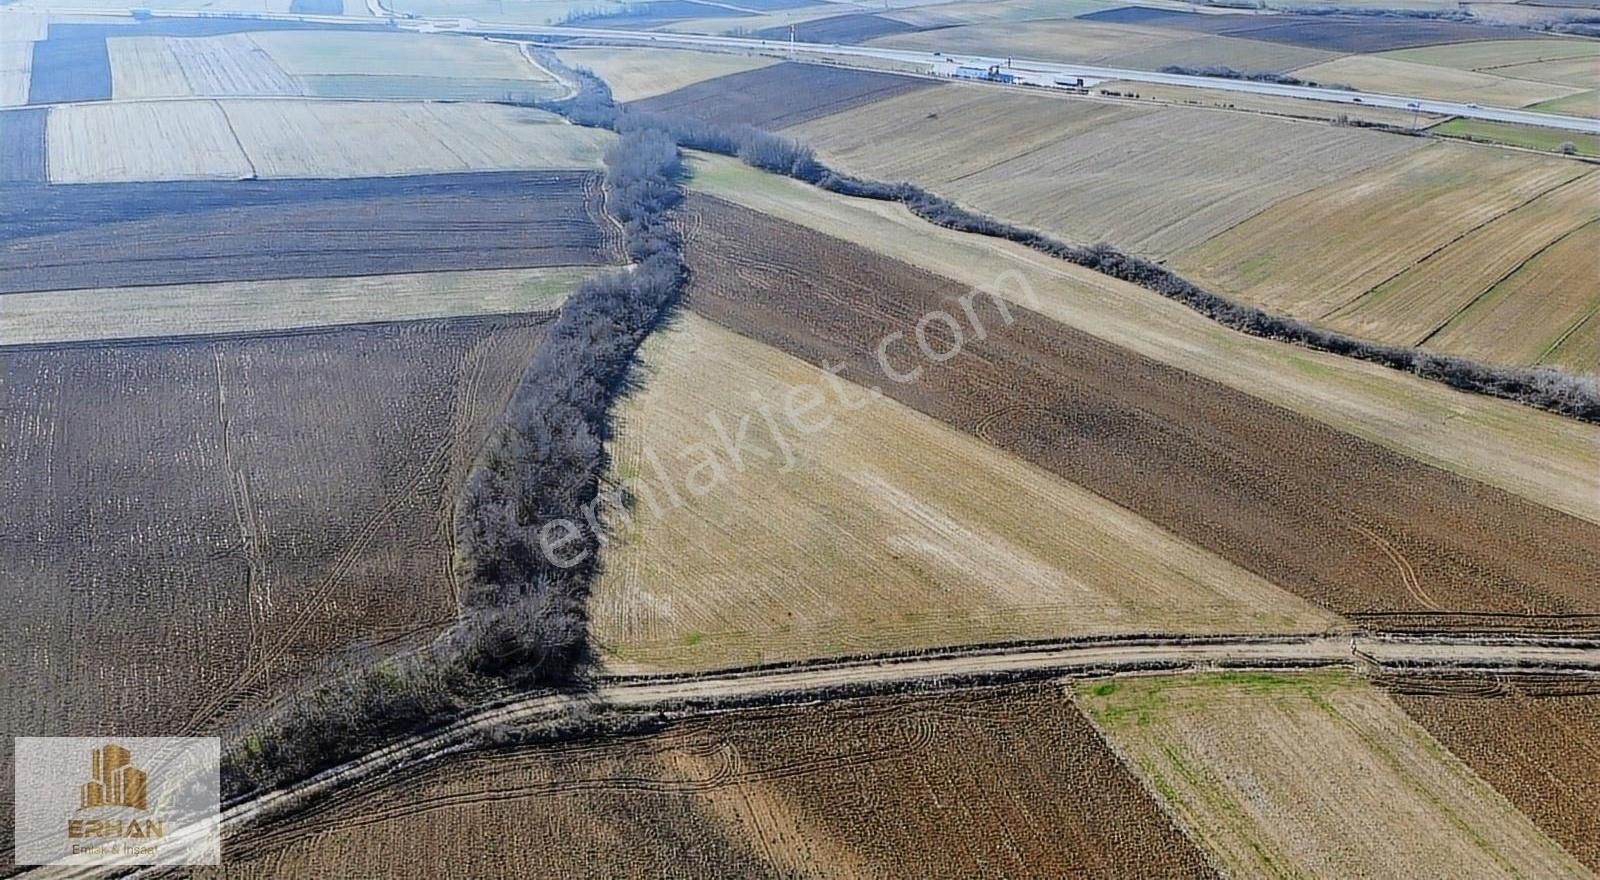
[1544, 458]
[1423, 303]
[1071, 171]
[882, 530]
[188, 140]
[219, 66]
[1314, 775]
[191, 527]
[1379, 73]
[254, 306]
[634, 73]
[1328, 249]
[1011, 782]
[1319, 513]
[124, 235]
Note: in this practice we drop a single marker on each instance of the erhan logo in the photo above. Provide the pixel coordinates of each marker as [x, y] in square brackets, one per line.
[114, 782]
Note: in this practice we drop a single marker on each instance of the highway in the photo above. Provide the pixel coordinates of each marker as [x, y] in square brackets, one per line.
[929, 59]
[1338, 96]
[831, 680]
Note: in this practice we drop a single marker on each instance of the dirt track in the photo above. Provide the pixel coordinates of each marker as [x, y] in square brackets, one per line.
[1364, 531]
[820, 681]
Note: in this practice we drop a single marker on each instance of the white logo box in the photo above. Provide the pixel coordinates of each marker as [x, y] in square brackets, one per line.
[117, 800]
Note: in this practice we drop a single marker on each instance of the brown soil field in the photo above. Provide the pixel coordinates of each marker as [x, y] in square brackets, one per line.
[1008, 782]
[1539, 745]
[190, 528]
[1314, 775]
[115, 235]
[1356, 527]
[782, 94]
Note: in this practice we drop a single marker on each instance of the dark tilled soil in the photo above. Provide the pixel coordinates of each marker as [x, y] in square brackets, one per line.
[1538, 744]
[1334, 33]
[1332, 518]
[1009, 782]
[117, 235]
[189, 528]
[781, 95]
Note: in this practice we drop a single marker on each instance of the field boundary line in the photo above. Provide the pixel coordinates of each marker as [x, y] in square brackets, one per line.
[1507, 277]
[1446, 245]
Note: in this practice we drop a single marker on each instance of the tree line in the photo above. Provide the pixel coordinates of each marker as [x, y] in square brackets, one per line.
[1547, 388]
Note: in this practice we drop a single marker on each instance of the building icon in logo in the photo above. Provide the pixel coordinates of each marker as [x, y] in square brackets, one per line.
[113, 781]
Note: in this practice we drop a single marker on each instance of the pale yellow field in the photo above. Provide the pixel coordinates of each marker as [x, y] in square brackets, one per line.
[167, 140]
[16, 62]
[1545, 458]
[1496, 53]
[322, 53]
[217, 66]
[241, 306]
[947, 133]
[1314, 254]
[1204, 49]
[144, 67]
[121, 7]
[1583, 71]
[643, 73]
[1314, 775]
[889, 531]
[1411, 307]
[719, 24]
[1279, 106]
[1376, 73]
[1085, 42]
[946, 14]
[345, 139]
[1148, 181]
[20, 26]
[1542, 313]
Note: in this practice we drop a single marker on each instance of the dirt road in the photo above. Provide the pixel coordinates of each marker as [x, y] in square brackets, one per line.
[839, 678]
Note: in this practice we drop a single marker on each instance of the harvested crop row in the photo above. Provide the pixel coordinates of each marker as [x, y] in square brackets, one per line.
[1348, 524]
[780, 95]
[1010, 782]
[298, 229]
[187, 528]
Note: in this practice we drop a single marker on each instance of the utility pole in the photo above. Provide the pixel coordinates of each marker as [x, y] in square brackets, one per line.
[791, 42]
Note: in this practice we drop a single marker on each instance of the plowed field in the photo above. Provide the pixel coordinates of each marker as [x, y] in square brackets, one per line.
[1360, 529]
[188, 529]
[1538, 744]
[116, 235]
[1007, 783]
[782, 94]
